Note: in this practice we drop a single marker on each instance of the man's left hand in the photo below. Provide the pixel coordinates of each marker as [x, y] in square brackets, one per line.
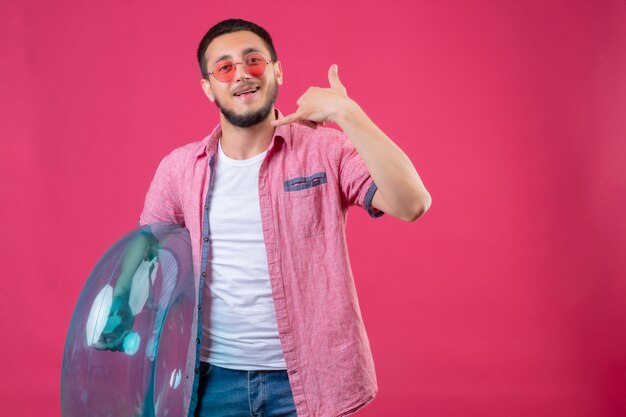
[319, 105]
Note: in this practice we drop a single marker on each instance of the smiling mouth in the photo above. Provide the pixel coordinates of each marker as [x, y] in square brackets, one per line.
[247, 92]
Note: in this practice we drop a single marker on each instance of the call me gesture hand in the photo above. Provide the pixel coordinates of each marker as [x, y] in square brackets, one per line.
[320, 105]
[401, 192]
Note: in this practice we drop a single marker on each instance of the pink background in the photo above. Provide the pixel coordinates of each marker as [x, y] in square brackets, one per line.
[508, 298]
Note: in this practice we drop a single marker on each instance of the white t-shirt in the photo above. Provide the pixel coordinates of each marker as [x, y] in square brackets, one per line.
[243, 331]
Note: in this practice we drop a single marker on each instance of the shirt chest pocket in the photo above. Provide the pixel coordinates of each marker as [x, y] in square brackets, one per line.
[302, 186]
[304, 203]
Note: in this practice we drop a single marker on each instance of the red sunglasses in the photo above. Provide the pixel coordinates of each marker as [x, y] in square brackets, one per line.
[254, 64]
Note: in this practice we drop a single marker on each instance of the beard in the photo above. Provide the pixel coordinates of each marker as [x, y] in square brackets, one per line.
[250, 118]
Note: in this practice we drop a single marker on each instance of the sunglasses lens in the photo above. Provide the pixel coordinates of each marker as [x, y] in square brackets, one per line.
[255, 65]
[224, 70]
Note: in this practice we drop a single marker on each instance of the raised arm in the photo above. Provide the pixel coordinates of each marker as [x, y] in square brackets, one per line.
[401, 192]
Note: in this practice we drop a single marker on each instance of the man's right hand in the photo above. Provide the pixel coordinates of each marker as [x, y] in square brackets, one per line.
[119, 324]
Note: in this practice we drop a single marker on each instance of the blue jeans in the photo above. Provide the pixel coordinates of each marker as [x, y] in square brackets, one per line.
[231, 393]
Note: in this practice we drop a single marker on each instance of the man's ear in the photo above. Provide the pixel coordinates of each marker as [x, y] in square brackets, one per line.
[279, 72]
[206, 87]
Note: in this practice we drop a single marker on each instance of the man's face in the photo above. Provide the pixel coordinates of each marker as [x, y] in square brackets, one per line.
[243, 110]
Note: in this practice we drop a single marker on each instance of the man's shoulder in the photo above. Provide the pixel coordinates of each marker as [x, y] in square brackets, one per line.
[187, 151]
[181, 158]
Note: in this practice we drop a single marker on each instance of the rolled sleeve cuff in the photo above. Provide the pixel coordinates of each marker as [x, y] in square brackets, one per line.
[367, 202]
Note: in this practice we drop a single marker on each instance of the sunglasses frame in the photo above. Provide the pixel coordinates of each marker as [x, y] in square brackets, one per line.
[234, 71]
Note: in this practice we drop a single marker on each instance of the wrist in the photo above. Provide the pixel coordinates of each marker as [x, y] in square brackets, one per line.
[121, 293]
[348, 112]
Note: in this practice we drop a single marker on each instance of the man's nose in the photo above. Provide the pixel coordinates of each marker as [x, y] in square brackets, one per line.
[240, 72]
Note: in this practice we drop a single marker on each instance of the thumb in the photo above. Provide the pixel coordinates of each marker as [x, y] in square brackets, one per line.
[333, 77]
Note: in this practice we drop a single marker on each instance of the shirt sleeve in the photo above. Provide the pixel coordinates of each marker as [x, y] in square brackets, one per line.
[357, 186]
[163, 199]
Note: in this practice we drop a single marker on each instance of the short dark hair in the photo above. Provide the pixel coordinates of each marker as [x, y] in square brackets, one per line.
[229, 26]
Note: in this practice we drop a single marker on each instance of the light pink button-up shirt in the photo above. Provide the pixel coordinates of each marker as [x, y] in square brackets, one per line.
[307, 181]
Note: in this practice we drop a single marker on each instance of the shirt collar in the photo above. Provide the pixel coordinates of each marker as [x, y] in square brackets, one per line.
[209, 144]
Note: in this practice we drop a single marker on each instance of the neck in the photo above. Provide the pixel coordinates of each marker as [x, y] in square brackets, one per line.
[246, 142]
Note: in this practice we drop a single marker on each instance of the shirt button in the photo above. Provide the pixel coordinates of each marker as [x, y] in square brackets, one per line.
[206, 207]
[204, 274]
[197, 340]
[199, 307]
[206, 238]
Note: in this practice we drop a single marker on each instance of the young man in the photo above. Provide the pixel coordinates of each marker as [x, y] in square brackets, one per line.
[278, 325]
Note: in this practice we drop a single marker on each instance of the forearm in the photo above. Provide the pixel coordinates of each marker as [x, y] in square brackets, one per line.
[391, 169]
[137, 250]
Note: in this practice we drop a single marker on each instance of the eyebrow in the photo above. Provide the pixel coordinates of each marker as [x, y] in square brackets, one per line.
[244, 52]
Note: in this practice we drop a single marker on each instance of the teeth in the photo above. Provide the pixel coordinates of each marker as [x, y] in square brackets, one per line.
[248, 91]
